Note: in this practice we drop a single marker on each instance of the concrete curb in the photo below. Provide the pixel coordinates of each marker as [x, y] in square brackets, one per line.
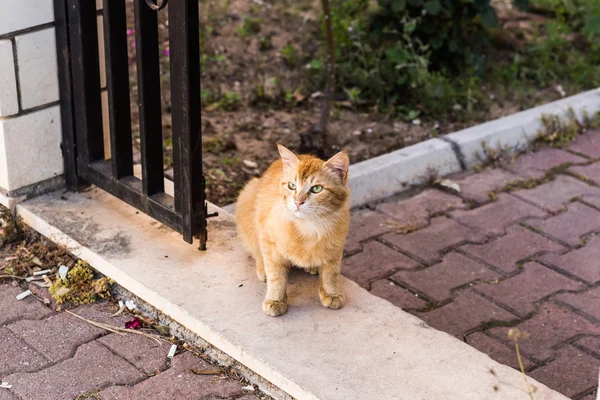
[379, 177]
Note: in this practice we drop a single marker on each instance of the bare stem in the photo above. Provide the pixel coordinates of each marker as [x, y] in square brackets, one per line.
[523, 370]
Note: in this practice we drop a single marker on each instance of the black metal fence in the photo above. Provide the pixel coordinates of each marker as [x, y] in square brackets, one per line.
[83, 142]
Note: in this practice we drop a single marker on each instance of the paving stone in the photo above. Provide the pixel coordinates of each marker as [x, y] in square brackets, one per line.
[142, 352]
[93, 366]
[17, 356]
[178, 382]
[518, 244]
[364, 225]
[591, 344]
[493, 218]
[553, 195]
[497, 350]
[569, 226]
[467, 312]
[587, 302]
[591, 172]
[550, 327]
[438, 280]
[5, 395]
[591, 396]
[535, 165]
[582, 262]
[571, 373]
[478, 186]
[418, 209]
[374, 262]
[587, 144]
[522, 291]
[592, 200]
[57, 337]
[397, 295]
[12, 309]
[441, 234]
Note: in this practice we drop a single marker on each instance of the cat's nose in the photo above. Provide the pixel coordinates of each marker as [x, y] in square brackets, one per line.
[298, 203]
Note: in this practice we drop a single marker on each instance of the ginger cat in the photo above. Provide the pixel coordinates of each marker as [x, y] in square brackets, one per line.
[297, 214]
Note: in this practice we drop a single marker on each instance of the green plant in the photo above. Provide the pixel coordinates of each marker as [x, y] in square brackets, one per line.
[249, 26]
[290, 55]
[265, 43]
[80, 286]
[228, 101]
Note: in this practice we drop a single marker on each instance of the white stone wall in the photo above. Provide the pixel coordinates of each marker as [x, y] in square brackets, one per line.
[30, 125]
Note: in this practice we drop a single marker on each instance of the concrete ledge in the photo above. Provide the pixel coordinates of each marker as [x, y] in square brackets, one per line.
[370, 349]
[382, 176]
[517, 131]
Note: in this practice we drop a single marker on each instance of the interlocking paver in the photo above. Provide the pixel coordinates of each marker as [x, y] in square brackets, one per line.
[518, 244]
[591, 172]
[57, 337]
[92, 367]
[178, 382]
[569, 226]
[438, 280]
[417, 210]
[478, 186]
[522, 291]
[428, 242]
[12, 309]
[376, 261]
[572, 372]
[5, 395]
[586, 301]
[553, 195]
[582, 262]
[467, 312]
[142, 352]
[493, 218]
[17, 356]
[365, 225]
[591, 344]
[535, 165]
[497, 350]
[587, 144]
[397, 295]
[550, 327]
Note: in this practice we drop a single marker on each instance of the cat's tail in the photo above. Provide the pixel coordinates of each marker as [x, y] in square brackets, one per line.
[245, 214]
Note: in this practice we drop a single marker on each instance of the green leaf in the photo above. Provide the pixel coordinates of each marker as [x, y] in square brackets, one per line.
[592, 24]
[398, 5]
[436, 42]
[489, 18]
[433, 7]
[397, 55]
[163, 330]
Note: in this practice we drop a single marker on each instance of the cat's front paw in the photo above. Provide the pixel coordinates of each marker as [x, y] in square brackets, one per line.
[333, 301]
[261, 275]
[274, 308]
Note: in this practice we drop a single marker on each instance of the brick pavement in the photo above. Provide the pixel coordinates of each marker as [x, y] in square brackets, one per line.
[510, 250]
[47, 355]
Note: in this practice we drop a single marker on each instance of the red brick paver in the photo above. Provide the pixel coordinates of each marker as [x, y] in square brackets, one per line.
[493, 218]
[554, 195]
[438, 280]
[418, 209]
[521, 292]
[477, 187]
[582, 262]
[535, 165]
[426, 244]
[11, 310]
[376, 261]
[573, 372]
[466, 313]
[365, 225]
[571, 225]
[530, 260]
[17, 356]
[518, 244]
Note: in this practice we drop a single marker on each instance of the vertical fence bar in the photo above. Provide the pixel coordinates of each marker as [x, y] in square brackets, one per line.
[184, 37]
[117, 83]
[66, 95]
[148, 80]
[83, 36]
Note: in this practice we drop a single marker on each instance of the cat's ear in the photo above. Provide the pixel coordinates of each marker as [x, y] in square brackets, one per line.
[339, 164]
[290, 160]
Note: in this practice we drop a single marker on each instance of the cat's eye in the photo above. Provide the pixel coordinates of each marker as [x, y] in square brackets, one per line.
[316, 188]
[291, 186]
